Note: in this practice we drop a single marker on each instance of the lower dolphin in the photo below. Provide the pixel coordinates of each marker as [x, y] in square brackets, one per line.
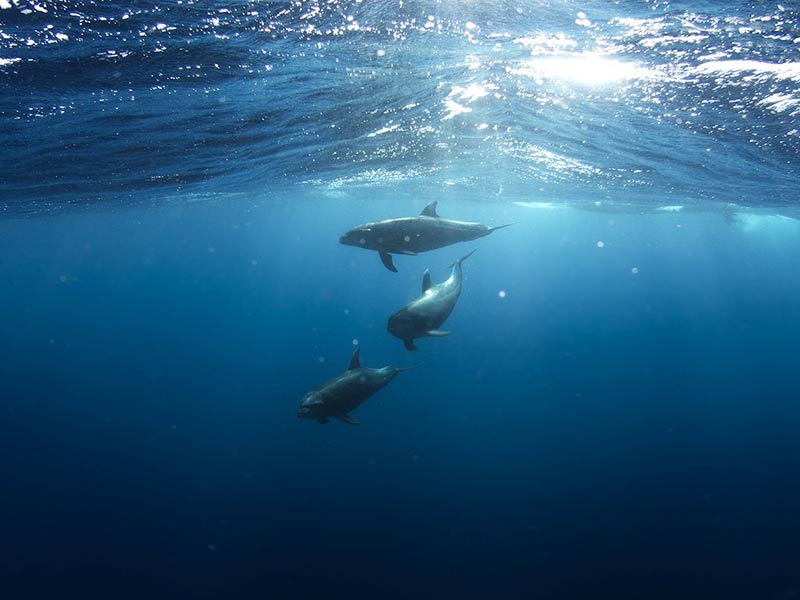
[338, 396]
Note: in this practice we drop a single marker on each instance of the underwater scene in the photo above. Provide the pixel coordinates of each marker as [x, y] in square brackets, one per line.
[400, 299]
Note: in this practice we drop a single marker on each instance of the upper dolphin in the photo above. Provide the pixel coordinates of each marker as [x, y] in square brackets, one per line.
[338, 396]
[410, 235]
[426, 314]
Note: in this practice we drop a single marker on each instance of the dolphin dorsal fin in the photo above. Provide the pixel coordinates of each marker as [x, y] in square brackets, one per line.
[354, 361]
[426, 281]
[430, 210]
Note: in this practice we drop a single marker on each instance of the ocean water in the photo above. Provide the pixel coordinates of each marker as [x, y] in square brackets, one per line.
[617, 411]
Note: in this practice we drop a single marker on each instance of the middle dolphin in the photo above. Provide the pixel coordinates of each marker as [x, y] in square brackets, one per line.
[423, 316]
[410, 235]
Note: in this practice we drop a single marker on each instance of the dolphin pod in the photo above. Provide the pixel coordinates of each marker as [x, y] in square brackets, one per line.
[422, 317]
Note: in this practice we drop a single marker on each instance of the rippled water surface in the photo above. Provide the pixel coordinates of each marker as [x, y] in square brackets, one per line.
[567, 101]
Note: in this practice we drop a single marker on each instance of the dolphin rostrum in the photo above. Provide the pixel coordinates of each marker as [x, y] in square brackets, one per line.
[426, 314]
[338, 396]
[411, 235]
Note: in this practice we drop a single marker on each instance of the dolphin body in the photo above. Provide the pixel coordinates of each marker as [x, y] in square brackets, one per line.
[411, 235]
[338, 396]
[423, 316]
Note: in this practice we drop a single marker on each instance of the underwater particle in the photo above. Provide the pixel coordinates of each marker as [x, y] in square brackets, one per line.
[212, 547]
[347, 311]
[415, 456]
[321, 359]
[634, 270]
[62, 278]
[254, 262]
[501, 294]
[600, 244]
[211, 250]
[372, 461]
[407, 238]
[381, 52]
[355, 341]
[362, 241]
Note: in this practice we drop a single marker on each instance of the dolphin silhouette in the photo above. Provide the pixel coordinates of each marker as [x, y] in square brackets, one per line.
[338, 396]
[412, 235]
[423, 316]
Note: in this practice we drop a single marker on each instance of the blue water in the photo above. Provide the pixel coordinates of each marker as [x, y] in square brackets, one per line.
[615, 414]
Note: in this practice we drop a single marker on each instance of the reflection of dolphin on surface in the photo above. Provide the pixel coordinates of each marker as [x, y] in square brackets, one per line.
[425, 315]
[338, 396]
[411, 235]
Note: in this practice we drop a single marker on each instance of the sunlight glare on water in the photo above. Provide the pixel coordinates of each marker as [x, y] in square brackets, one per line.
[585, 68]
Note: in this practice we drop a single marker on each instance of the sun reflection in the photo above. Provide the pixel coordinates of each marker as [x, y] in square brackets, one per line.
[588, 69]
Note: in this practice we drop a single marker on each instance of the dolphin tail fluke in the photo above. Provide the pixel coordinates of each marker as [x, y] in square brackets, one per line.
[462, 259]
[491, 229]
[386, 259]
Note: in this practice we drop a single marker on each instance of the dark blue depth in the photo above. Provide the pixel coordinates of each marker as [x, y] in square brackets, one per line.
[595, 432]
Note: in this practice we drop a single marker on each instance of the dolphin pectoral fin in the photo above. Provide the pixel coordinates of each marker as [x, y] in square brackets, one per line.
[437, 333]
[386, 259]
[409, 344]
[345, 418]
[430, 210]
[322, 421]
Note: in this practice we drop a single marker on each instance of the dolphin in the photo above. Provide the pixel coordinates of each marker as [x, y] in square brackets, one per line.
[411, 235]
[426, 314]
[338, 396]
